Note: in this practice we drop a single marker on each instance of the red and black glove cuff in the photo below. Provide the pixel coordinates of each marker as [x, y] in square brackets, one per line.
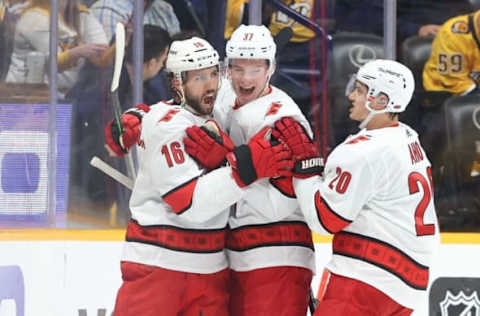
[112, 136]
[309, 167]
[139, 111]
[242, 166]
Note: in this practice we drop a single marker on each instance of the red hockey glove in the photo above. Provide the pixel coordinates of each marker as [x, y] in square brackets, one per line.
[208, 144]
[120, 142]
[260, 159]
[305, 153]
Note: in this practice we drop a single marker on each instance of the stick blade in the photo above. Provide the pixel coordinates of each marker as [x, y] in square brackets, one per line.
[119, 54]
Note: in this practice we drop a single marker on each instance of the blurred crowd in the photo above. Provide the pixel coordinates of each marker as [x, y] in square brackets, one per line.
[438, 39]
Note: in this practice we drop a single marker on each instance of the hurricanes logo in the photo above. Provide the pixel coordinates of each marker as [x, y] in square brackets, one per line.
[274, 107]
[167, 117]
[460, 304]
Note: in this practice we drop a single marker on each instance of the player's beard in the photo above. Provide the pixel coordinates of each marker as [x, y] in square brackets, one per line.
[203, 104]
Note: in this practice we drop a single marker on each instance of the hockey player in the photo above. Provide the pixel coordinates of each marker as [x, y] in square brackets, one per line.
[376, 198]
[270, 247]
[173, 261]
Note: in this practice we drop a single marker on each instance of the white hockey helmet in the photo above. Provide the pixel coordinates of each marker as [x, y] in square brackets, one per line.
[191, 54]
[388, 77]
[252, 42]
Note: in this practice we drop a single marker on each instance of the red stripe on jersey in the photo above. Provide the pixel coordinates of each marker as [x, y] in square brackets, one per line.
[267, 235]
[274, 107]
[168, 116]
[180, 198]
[178, 239]
[330, 221]
[382, 255]
[284, 185]
[358, 139]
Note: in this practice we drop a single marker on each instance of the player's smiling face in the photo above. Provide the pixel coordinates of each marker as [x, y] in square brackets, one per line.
[201, 89]
[249, 78]
[358, 98]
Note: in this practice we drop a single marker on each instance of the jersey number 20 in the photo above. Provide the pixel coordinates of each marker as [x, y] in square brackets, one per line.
[415, 180]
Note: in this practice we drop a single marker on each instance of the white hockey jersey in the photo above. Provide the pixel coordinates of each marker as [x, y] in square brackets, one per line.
[179, 214]
[267, 228]
[377, 199]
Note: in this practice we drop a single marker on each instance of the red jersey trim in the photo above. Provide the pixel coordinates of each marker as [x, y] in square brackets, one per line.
[177, 238]
[266, 235]
[382, 255]
[180, 198]
[330, 221]
[284, 185]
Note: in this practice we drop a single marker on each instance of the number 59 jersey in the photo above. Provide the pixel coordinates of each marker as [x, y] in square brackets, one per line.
[377, 199]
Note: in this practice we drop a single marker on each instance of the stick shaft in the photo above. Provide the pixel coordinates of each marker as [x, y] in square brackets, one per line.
[112, 172]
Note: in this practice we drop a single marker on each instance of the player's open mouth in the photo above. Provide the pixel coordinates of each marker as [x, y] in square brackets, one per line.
[209, 99]
[246, 91]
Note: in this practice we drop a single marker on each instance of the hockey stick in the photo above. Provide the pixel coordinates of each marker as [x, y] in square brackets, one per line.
[112, 172]
[312, 302]
[117, 70]
[282, 38]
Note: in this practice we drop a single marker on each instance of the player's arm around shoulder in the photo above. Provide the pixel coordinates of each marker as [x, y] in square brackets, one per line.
[330, 203]
[189, 190]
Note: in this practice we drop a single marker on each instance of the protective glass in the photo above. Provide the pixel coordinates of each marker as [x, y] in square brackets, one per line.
[350, 87]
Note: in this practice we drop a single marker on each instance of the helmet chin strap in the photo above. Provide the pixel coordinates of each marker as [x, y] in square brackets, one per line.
[271, 69]
[371, 113]
[364, 123]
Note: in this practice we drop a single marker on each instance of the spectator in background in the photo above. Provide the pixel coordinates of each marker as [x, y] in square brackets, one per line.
[91, 187]
[205, 17]
[454, 64]
[415, 17]
[15, 7]
[297, 55]
[80, 35]
[157, 12]
[454, 68]
[155, 48]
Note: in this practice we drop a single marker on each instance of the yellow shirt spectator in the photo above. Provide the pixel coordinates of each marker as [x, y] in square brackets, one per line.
[278, 21]
[454, 64]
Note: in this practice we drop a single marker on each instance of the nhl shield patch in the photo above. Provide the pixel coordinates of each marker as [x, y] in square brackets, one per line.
[455, 297]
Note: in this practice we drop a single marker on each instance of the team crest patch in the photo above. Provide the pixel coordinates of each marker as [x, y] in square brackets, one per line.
[460, 27]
